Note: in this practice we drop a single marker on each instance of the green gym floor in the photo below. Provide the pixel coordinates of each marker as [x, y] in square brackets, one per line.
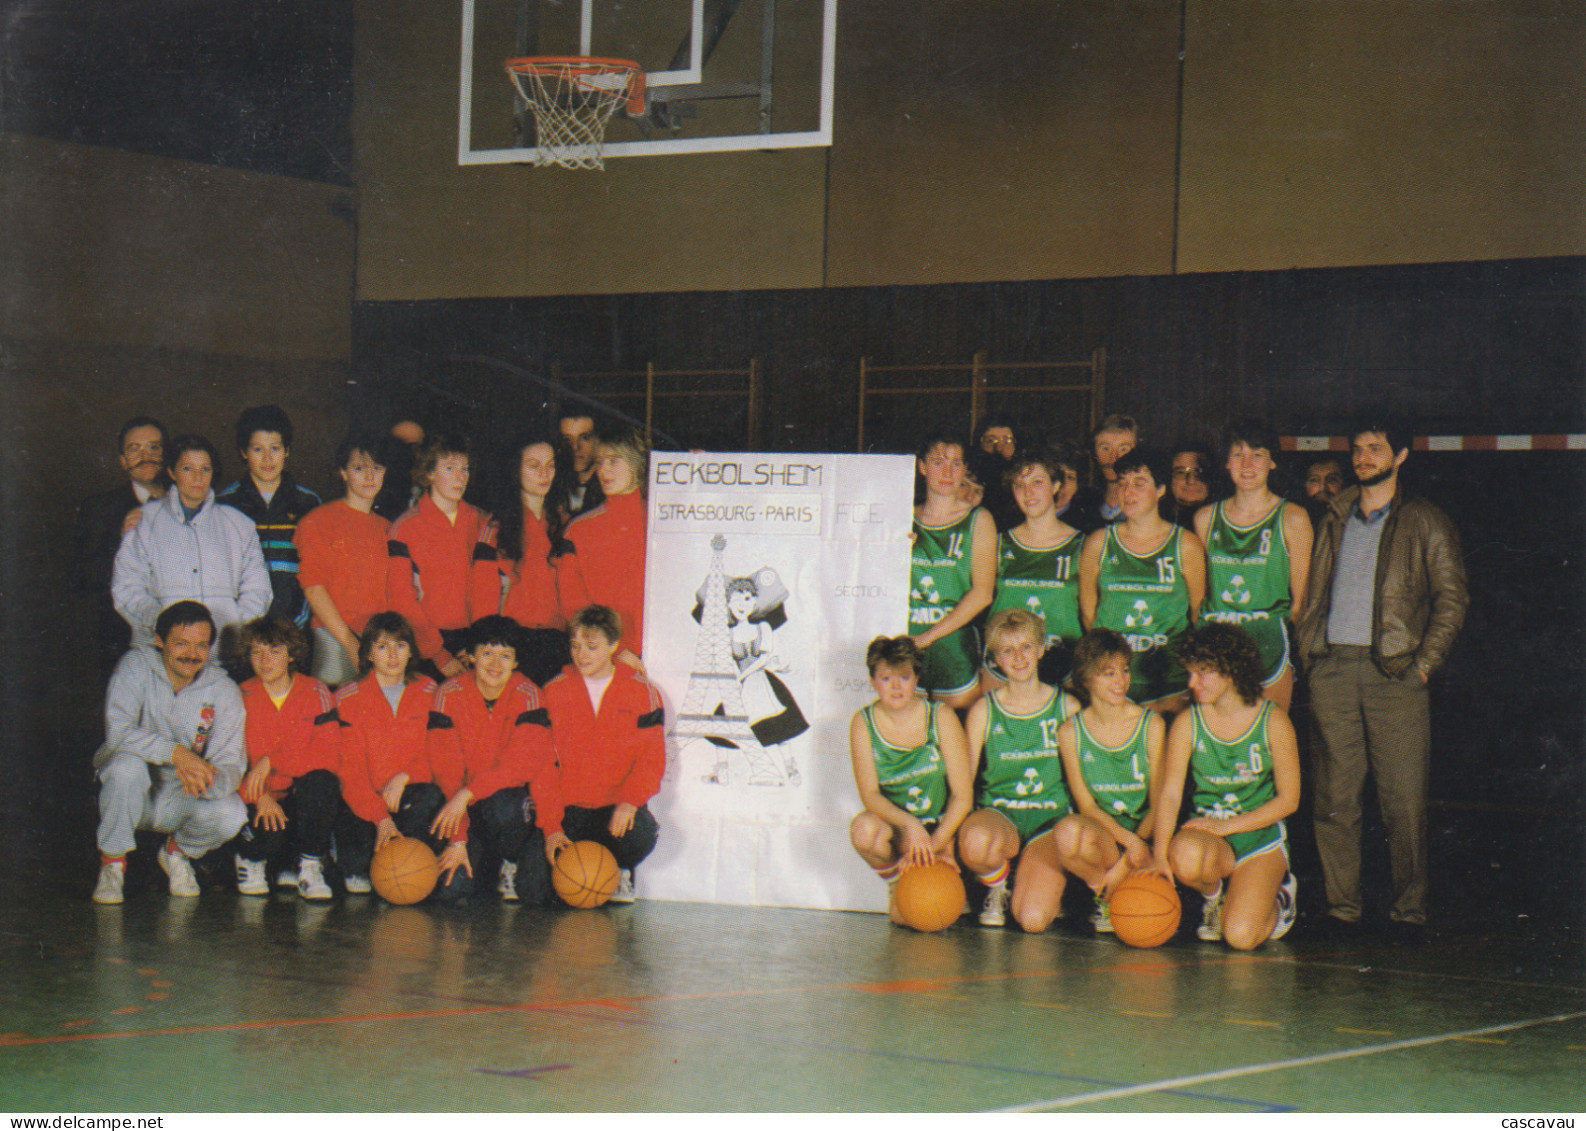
[226, 1003]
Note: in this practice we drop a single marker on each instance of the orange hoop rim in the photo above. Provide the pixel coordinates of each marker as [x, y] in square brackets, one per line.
[575, 66]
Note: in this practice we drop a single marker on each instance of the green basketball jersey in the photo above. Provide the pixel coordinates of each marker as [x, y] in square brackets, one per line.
[1231, 777]
[1023, 776]
[1146, 599]
[1046, 582]
[939, 569]
[912, 778]
[1118, 777]
[1247, 581]
[940, 573]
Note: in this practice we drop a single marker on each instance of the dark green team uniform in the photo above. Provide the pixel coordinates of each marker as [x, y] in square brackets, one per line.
[1023, 777]
[1147, 600]
[1236, 777]
[1045, 582]
[939, 577]
[1118, 777]
[912, 778]
[1247, 583]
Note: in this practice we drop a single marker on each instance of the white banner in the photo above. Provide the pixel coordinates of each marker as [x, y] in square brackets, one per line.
[767, 576]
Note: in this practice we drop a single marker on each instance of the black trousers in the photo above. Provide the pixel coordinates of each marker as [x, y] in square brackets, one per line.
[501, 827]
[310, 804]
[592, 824]
[355, 836]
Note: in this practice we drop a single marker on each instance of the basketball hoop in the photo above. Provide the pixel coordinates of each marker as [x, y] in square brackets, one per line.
[573, 97]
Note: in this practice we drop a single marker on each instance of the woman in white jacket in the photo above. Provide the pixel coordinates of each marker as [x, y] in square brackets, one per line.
[188, 547]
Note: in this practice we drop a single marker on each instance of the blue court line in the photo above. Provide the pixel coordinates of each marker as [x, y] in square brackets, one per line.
[1173, 1085]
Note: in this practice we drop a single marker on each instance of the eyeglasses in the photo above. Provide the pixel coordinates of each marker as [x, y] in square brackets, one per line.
[1188, 473]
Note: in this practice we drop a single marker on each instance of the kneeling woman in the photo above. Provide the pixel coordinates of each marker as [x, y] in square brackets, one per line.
[1112, 756]
[385, 766]
[1021, 794]
[1240, 749]
[292, 737]
[911, 765]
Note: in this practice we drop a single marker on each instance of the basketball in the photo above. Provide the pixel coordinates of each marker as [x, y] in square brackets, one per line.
[404, 871]
[585, 874]
[1145, 909]
[930, 898]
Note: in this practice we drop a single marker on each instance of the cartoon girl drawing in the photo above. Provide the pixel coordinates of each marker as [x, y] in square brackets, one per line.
[754, 612]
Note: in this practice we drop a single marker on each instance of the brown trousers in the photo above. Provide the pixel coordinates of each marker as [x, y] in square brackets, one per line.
[1370, 721]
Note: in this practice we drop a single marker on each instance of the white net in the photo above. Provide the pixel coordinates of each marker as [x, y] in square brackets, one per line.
[572, 100]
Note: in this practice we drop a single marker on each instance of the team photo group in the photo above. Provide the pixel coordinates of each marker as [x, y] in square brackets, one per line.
[1104, 641]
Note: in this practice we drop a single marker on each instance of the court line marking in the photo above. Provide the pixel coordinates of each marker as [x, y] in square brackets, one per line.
[1178, 1083]
[1563, 987]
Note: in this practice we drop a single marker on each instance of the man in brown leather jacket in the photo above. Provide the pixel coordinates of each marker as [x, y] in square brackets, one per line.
[1387, 596]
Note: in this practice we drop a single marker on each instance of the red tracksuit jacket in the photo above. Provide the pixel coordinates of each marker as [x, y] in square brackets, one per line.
[617, 756]
[298, 737]
[376, 746]
[489, 750]
[442, 574]
[606, 565]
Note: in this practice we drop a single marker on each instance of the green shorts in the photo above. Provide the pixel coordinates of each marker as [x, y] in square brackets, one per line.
[1273, 838]
[1156, 674]
[952, 664]
[1030, 823]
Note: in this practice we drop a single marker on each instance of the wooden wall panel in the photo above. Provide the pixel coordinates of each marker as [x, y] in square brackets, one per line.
[105, 246]
[1329, 133]
[1019, 139]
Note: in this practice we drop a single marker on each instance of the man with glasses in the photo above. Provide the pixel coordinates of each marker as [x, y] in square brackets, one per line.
[102, 519]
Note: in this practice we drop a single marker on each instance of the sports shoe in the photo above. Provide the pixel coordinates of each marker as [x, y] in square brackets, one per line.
[112, 876]
[286, 878]
[507, 882]
[995, 911]
[1211, 928]
[180, 871]
[311, 879]
[1288, 896]
[359, 885]
[251, 878]
[624, 892]
[1101, 918]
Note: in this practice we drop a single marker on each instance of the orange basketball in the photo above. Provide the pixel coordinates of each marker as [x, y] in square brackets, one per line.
[404, 871]
[585, 874]
[930, 898]
[1145, 909]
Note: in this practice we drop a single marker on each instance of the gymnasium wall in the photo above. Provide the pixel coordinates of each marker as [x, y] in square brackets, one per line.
[982, 141]
[137, 285]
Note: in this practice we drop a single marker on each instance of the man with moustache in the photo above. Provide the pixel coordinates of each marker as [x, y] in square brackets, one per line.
[102, 519]
[1387, 596]
[173, 754]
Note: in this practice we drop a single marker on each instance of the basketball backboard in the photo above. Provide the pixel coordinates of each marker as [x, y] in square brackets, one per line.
[720, 74]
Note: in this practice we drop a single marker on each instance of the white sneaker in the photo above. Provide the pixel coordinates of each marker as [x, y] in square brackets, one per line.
[359, 885]
[251, 879]
[994, 913]
[1211, 928]
[1288, 897]
[286, 878]
[624, 892]
[311, 879]
[1101, 918]
[507, 882]
[112, 877]
[180, 870]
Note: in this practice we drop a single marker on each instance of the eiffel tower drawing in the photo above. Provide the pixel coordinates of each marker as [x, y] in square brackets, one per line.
[713, 701]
